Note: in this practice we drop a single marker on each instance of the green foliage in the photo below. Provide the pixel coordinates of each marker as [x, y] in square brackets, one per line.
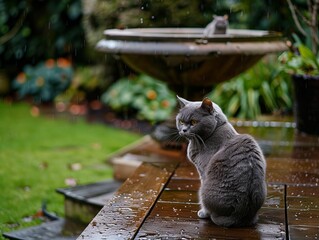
[151, 98]
[259, 90]
[303, 61]
[256, 15]
[89, 78]
[87, 83]
[44, 81]
[146, 13]
[179, 13]
[36, 157]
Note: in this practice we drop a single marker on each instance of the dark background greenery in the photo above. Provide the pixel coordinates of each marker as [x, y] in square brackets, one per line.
[54, 28]
[35, 30]
[48, 29]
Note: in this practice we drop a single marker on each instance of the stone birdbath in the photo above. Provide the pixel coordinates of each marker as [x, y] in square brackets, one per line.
[185, 59]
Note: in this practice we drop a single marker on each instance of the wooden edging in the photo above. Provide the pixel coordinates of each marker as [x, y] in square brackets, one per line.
[123, 215]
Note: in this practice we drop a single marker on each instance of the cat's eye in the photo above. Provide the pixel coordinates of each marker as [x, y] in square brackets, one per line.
[181, 122]
[193, 122]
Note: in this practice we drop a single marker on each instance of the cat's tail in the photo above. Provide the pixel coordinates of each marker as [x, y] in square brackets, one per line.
[247, 220]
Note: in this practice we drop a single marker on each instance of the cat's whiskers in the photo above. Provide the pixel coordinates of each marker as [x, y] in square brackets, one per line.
[174, 137]
[198, 140]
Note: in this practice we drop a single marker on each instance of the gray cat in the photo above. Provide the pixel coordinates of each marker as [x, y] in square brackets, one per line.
[231, 165]
[219, 25]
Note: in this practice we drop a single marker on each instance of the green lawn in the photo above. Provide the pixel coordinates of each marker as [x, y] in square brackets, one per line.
[40, 154]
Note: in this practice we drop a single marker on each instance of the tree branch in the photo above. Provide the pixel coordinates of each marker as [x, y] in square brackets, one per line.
[5, 38]
[314, 26]
[295, 18]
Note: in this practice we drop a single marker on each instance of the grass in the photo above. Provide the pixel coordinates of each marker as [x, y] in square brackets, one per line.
[40, 154]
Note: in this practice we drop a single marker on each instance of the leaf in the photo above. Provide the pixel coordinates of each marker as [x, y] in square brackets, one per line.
[268, 97]
[253, 103]
[284, 93]
[308, 56]
[233, 105]
[139, 102]
[297, 39]
[306, 52]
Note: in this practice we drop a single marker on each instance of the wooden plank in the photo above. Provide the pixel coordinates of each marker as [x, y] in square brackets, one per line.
[179, 196]
[121, 217]
[303, 190]
[175, 210]
[303, 211]
[183, 184]
[291, 171]
[284, 142]
[186, 171]
[203, 229]
[175, 216]
[304, 203]
[303, 232]
[289, 150]
[303, 217]
[180, 221]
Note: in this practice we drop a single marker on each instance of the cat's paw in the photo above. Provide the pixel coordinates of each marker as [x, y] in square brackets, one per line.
[202, 214]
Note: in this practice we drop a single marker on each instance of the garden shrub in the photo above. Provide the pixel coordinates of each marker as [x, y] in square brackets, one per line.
[150, 98]
[44, 81]
[263, 89]
[34, 30]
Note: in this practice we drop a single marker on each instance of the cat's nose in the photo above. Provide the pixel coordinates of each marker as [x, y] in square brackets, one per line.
[184, 130]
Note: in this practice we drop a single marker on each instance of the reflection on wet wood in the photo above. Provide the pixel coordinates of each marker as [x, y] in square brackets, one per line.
[299, 232]
[186, 172]
[303, 211]
[179, 196]
[201, 229]
[183, 184]
[179, 228]
[292, 171]
[303, 217]
[178, 208]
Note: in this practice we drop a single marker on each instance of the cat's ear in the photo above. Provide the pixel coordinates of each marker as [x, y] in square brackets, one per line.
[207, 105]
[182, 102]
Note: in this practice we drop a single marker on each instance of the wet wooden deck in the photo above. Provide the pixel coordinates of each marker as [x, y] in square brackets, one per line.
[159, 201]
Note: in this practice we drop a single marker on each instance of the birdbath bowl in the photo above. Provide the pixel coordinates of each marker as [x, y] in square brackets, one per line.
[184, 58]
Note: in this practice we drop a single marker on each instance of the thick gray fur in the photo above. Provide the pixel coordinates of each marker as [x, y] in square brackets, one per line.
[231, 165]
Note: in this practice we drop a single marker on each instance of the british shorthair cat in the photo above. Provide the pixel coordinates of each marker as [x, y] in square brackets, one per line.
[231, 166]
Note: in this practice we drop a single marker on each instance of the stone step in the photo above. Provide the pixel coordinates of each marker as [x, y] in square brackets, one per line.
[83, 202]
